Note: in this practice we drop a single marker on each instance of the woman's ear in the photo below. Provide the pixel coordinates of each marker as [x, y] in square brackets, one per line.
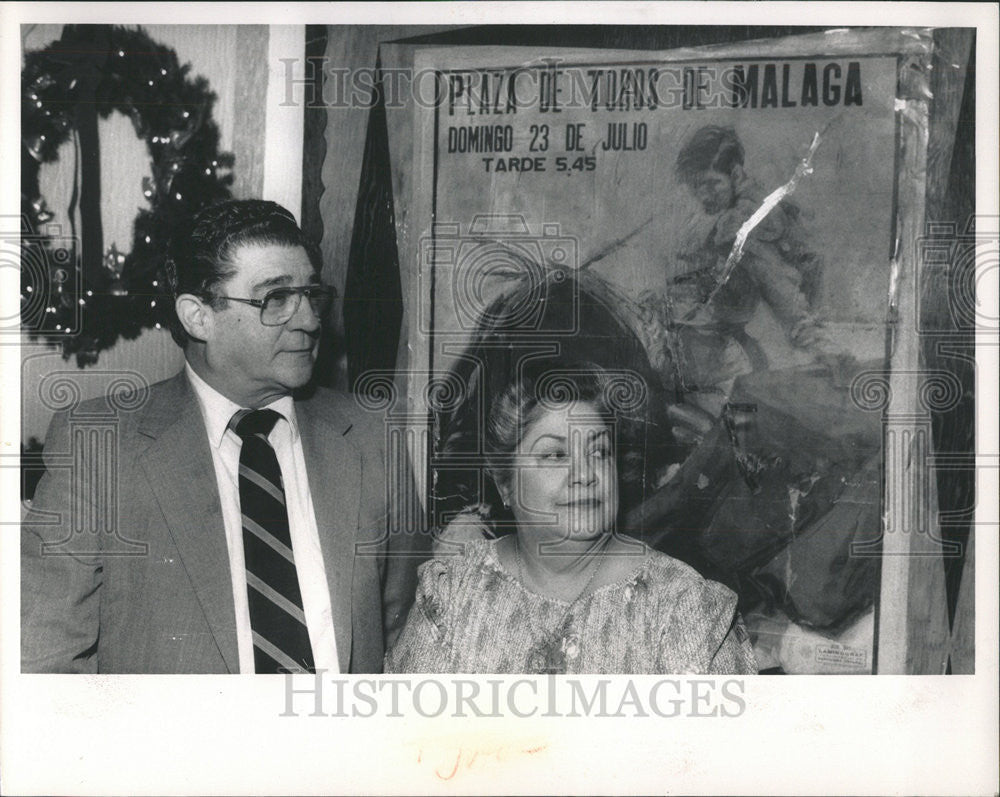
[501, 478]
[195, 316]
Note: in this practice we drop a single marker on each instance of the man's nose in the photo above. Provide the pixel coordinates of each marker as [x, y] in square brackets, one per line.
[305, 317]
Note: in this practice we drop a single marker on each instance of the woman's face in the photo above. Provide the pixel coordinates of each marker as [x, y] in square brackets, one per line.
[565, 481]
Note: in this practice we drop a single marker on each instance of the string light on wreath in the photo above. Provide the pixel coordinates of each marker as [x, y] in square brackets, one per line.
[83, 303]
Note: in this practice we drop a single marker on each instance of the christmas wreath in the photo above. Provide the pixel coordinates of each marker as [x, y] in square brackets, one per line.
[75, 294]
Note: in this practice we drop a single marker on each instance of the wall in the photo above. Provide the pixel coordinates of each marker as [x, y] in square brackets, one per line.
[351, 48]
[241, 66]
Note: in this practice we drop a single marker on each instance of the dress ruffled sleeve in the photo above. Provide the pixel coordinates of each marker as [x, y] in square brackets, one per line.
[704, 633]
[424, 646]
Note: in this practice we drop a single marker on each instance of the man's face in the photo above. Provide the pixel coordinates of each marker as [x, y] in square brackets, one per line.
[251, 363]
[714, 190]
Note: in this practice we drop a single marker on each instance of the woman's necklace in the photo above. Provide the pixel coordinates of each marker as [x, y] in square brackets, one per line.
[551, 654]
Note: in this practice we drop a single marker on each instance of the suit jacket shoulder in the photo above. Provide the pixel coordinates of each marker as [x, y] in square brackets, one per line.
[347, 416]
[116, 536]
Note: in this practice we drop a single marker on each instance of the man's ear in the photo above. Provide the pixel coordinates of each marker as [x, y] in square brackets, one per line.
[195, 316]
[737, 174]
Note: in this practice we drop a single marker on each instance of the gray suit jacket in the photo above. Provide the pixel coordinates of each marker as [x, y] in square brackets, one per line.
[124, 560]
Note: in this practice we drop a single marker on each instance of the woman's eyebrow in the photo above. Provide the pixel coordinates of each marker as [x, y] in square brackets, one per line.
[592, 435]
[551, 436]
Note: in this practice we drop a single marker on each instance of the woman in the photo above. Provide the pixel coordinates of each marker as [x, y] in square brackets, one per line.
[564, 593]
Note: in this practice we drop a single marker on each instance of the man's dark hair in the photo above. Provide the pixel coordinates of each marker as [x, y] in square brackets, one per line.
[710, 148]
[200, 252]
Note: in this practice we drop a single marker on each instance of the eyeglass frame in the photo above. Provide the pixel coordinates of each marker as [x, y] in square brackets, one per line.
[298, 291]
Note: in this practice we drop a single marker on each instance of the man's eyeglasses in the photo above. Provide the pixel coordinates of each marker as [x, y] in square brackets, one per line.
[280, 304]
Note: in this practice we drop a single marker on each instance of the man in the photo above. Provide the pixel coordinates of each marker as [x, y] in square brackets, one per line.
[777, 267]
[244, 527]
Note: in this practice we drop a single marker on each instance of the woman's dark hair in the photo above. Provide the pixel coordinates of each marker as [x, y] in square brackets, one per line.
[505, 343]
[619, 397]
[199, 254]
[710, 148]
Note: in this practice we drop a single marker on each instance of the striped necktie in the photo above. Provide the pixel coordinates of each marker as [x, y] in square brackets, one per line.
[280, 635]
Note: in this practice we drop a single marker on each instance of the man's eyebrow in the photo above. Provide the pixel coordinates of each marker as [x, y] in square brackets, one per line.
[281, 281]
[273, 282]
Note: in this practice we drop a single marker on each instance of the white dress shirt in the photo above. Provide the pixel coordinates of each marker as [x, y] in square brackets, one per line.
[225, 444]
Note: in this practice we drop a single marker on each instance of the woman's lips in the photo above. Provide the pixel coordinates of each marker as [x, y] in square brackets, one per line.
[583, 502]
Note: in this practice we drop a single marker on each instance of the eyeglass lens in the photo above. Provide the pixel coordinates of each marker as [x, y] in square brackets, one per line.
[281, 305]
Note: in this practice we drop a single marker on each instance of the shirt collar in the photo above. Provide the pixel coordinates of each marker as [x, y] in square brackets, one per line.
[217, 410]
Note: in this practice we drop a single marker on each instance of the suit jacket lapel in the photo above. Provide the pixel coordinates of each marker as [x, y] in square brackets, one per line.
[335, 474]
[181, 475]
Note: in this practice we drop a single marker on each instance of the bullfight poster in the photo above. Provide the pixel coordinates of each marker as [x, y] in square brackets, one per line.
[716, 228]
